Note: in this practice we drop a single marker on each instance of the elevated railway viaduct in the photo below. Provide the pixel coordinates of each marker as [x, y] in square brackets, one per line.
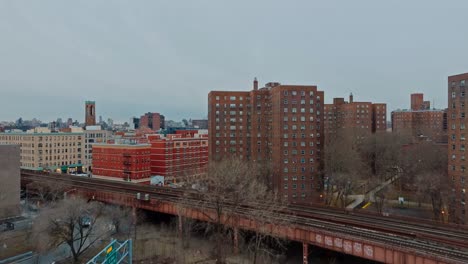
[374, 237]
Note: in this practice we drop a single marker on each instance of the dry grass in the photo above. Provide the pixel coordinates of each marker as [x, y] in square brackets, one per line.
[13, 243]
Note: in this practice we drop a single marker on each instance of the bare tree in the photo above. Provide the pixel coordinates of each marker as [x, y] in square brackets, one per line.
[425, 173]
[380, 199]
[382, 152]
[72, 222]
[263, 242]
[343, 166]
[229, 184]
[46, 192]
[120, 219]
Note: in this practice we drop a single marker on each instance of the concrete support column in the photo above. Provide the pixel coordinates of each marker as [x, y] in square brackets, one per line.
[305, 253]
[180, 228]
[236, 240]
[134, 215]
[134, 222]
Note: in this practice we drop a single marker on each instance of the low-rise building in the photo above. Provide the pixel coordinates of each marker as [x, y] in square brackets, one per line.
[179, 156]
[40, 149]
[124, 160]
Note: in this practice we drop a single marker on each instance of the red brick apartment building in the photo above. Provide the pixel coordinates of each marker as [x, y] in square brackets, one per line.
[137, 157]
[457, 122]
[154, 121]
[420, 120]
[179, 156]
[122, 161]
[278, 124]
[364, 116]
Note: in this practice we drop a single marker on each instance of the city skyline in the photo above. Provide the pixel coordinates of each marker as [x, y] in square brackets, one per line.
[133, 59]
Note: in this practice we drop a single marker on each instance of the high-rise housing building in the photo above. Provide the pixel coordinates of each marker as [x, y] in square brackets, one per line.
[457, 165]
[364, 116]
[42, 149]
[179, 156]
[90, 113]
[122, 161]
[421, 120]
[278, 124]
[154, 121]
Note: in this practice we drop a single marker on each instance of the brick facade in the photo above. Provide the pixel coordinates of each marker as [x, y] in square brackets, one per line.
[90, 113]
[180, 156]
[278, 124]
[124, 162]
[457, 121]
[153, 121]
[420, 120]
[364, 116]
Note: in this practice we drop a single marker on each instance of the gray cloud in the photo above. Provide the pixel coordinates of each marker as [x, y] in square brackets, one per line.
[165, 56]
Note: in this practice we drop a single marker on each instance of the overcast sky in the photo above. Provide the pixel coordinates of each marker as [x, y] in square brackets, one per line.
[133, 57]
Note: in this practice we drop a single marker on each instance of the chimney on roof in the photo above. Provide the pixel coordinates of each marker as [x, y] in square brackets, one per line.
[351, 98]
[255, 84]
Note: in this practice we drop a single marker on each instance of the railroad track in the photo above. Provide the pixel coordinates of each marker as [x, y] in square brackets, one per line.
[454, 243]
[457, 237]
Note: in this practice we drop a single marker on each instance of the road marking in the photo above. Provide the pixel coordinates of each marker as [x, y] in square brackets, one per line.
[366, 205]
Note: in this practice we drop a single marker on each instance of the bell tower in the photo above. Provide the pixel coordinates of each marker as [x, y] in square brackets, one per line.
[90, 113]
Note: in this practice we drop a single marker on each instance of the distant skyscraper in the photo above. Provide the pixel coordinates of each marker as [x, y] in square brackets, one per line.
[100, 119]
[90, 114]
[69, 122]
[59, 123]
[154, 121]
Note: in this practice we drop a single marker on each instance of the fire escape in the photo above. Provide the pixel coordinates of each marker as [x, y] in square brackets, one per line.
[127, 162]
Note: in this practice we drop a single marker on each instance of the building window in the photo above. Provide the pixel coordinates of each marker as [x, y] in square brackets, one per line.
[285, 101]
